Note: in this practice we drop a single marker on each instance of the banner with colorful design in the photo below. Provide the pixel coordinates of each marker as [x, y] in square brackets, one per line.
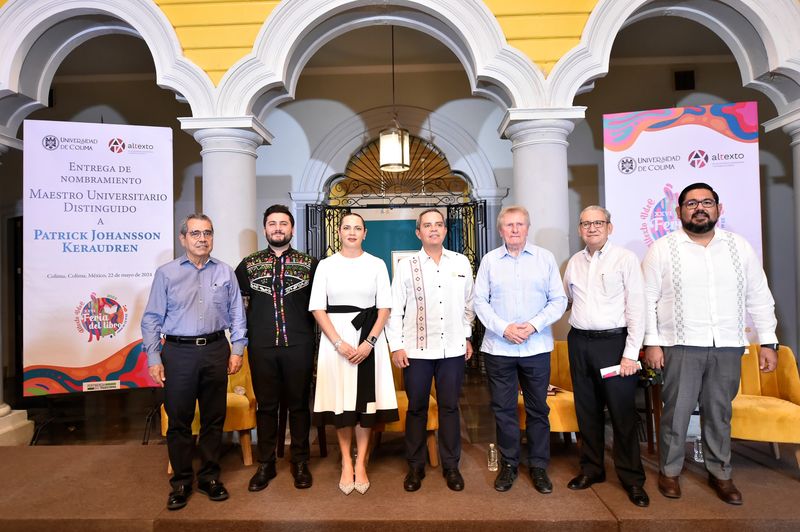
[650, 156]
[97, 221]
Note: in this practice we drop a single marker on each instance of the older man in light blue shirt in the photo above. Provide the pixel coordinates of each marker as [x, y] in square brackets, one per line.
[194, 299]
[518, 295]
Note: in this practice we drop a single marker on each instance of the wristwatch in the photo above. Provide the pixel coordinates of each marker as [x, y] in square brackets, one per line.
[372, 340]
[774, 347]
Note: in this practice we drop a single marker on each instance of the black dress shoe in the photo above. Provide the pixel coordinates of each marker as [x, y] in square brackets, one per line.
[413, 480]
[541, 481]
[178, 497]
[581, 482]
[264, 473]
[638, 496]
[505, 479]
[302, 475]
[454, 479]
[214, 489]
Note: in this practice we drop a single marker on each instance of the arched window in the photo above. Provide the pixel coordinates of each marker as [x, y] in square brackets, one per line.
[430, 181]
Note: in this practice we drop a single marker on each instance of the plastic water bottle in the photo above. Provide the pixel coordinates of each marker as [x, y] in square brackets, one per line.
[493, 458]
[698, 450]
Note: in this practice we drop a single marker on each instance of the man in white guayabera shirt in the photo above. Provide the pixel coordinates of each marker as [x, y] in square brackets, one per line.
[700, 282]
[428, 333]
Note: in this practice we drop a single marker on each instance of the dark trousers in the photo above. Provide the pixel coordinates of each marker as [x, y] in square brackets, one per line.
[506, 376]
[587, 356]
[195, 374]
[282, 374]
[449, 375]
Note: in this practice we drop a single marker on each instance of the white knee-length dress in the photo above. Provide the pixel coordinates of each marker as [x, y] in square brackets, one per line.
[359, 282]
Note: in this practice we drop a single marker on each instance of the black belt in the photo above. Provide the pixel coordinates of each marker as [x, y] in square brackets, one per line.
[607, 333]
[195, 340]
[365, 381]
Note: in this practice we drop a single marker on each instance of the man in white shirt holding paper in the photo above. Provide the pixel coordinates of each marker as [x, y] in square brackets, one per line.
[604, 283]
[429, 335]
[700, 283]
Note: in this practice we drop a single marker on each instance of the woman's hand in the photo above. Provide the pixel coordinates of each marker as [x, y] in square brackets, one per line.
[361, 354]
[346, 350]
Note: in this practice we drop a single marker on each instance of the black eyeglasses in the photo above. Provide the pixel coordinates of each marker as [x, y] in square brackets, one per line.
[196, 234]
[692, 204]
[597, 223]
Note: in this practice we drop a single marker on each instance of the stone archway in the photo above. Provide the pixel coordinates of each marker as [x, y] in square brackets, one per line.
[760, 33]
[36, 36]
[296, 29]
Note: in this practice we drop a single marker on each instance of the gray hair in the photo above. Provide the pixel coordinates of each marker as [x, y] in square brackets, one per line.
[511, 209]
[194, 216]
[605, 212]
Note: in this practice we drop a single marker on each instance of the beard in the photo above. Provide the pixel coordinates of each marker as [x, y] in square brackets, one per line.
[279, 240]
[699, 228]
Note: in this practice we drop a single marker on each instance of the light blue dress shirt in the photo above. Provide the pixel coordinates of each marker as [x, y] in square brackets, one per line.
[525, 288]
[190, 301]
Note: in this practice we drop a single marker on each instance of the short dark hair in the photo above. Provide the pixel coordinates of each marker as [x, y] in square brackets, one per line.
[426, 211]
[194, 216]
[351, 213]
[282, 209]
[695, 186]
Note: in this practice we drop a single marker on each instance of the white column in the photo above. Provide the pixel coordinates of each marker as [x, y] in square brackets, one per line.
[793, 129]
[540, 179]
[229, 189]
[494, 202]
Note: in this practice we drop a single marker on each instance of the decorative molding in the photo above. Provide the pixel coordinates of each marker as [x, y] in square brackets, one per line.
[531, 117]
[761, 34]
[193, 125]
[35, 37]
[296, 29]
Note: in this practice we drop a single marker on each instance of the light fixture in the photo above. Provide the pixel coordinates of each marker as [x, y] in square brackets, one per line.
[394, 141]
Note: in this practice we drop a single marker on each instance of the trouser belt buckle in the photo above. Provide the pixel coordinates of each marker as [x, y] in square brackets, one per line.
[200, 341]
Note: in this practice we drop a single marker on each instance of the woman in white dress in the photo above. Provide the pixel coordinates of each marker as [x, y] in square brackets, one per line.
[351, 300]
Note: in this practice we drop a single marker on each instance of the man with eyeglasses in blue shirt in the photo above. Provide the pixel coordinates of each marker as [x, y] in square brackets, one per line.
[194, 299]
[700, 283]
[518, 295]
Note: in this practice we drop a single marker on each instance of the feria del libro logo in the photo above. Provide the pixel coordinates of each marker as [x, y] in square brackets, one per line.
[100, 317]
[50, 142]
[627, 165]
[116, 145]
[698, 159]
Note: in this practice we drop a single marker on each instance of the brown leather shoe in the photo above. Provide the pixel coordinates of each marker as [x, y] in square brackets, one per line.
[669, 487]
[725, 490]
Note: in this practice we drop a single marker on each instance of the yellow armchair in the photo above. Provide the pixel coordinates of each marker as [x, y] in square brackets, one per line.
[240, 414]
[767, 407]
[562, 404]
[400, 424]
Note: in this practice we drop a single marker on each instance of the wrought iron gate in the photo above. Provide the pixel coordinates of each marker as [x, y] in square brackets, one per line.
[466, 230]
[322, 224]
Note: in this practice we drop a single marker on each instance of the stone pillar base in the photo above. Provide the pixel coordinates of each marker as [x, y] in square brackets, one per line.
[16, 429]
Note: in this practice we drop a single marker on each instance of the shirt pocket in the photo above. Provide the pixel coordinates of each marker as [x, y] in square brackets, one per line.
[219, 295]
[613, 283]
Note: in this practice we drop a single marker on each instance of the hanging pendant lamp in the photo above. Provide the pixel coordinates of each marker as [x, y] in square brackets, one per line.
[394, 141]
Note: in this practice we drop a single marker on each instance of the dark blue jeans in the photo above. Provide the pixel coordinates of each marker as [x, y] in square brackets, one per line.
[507, 375]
